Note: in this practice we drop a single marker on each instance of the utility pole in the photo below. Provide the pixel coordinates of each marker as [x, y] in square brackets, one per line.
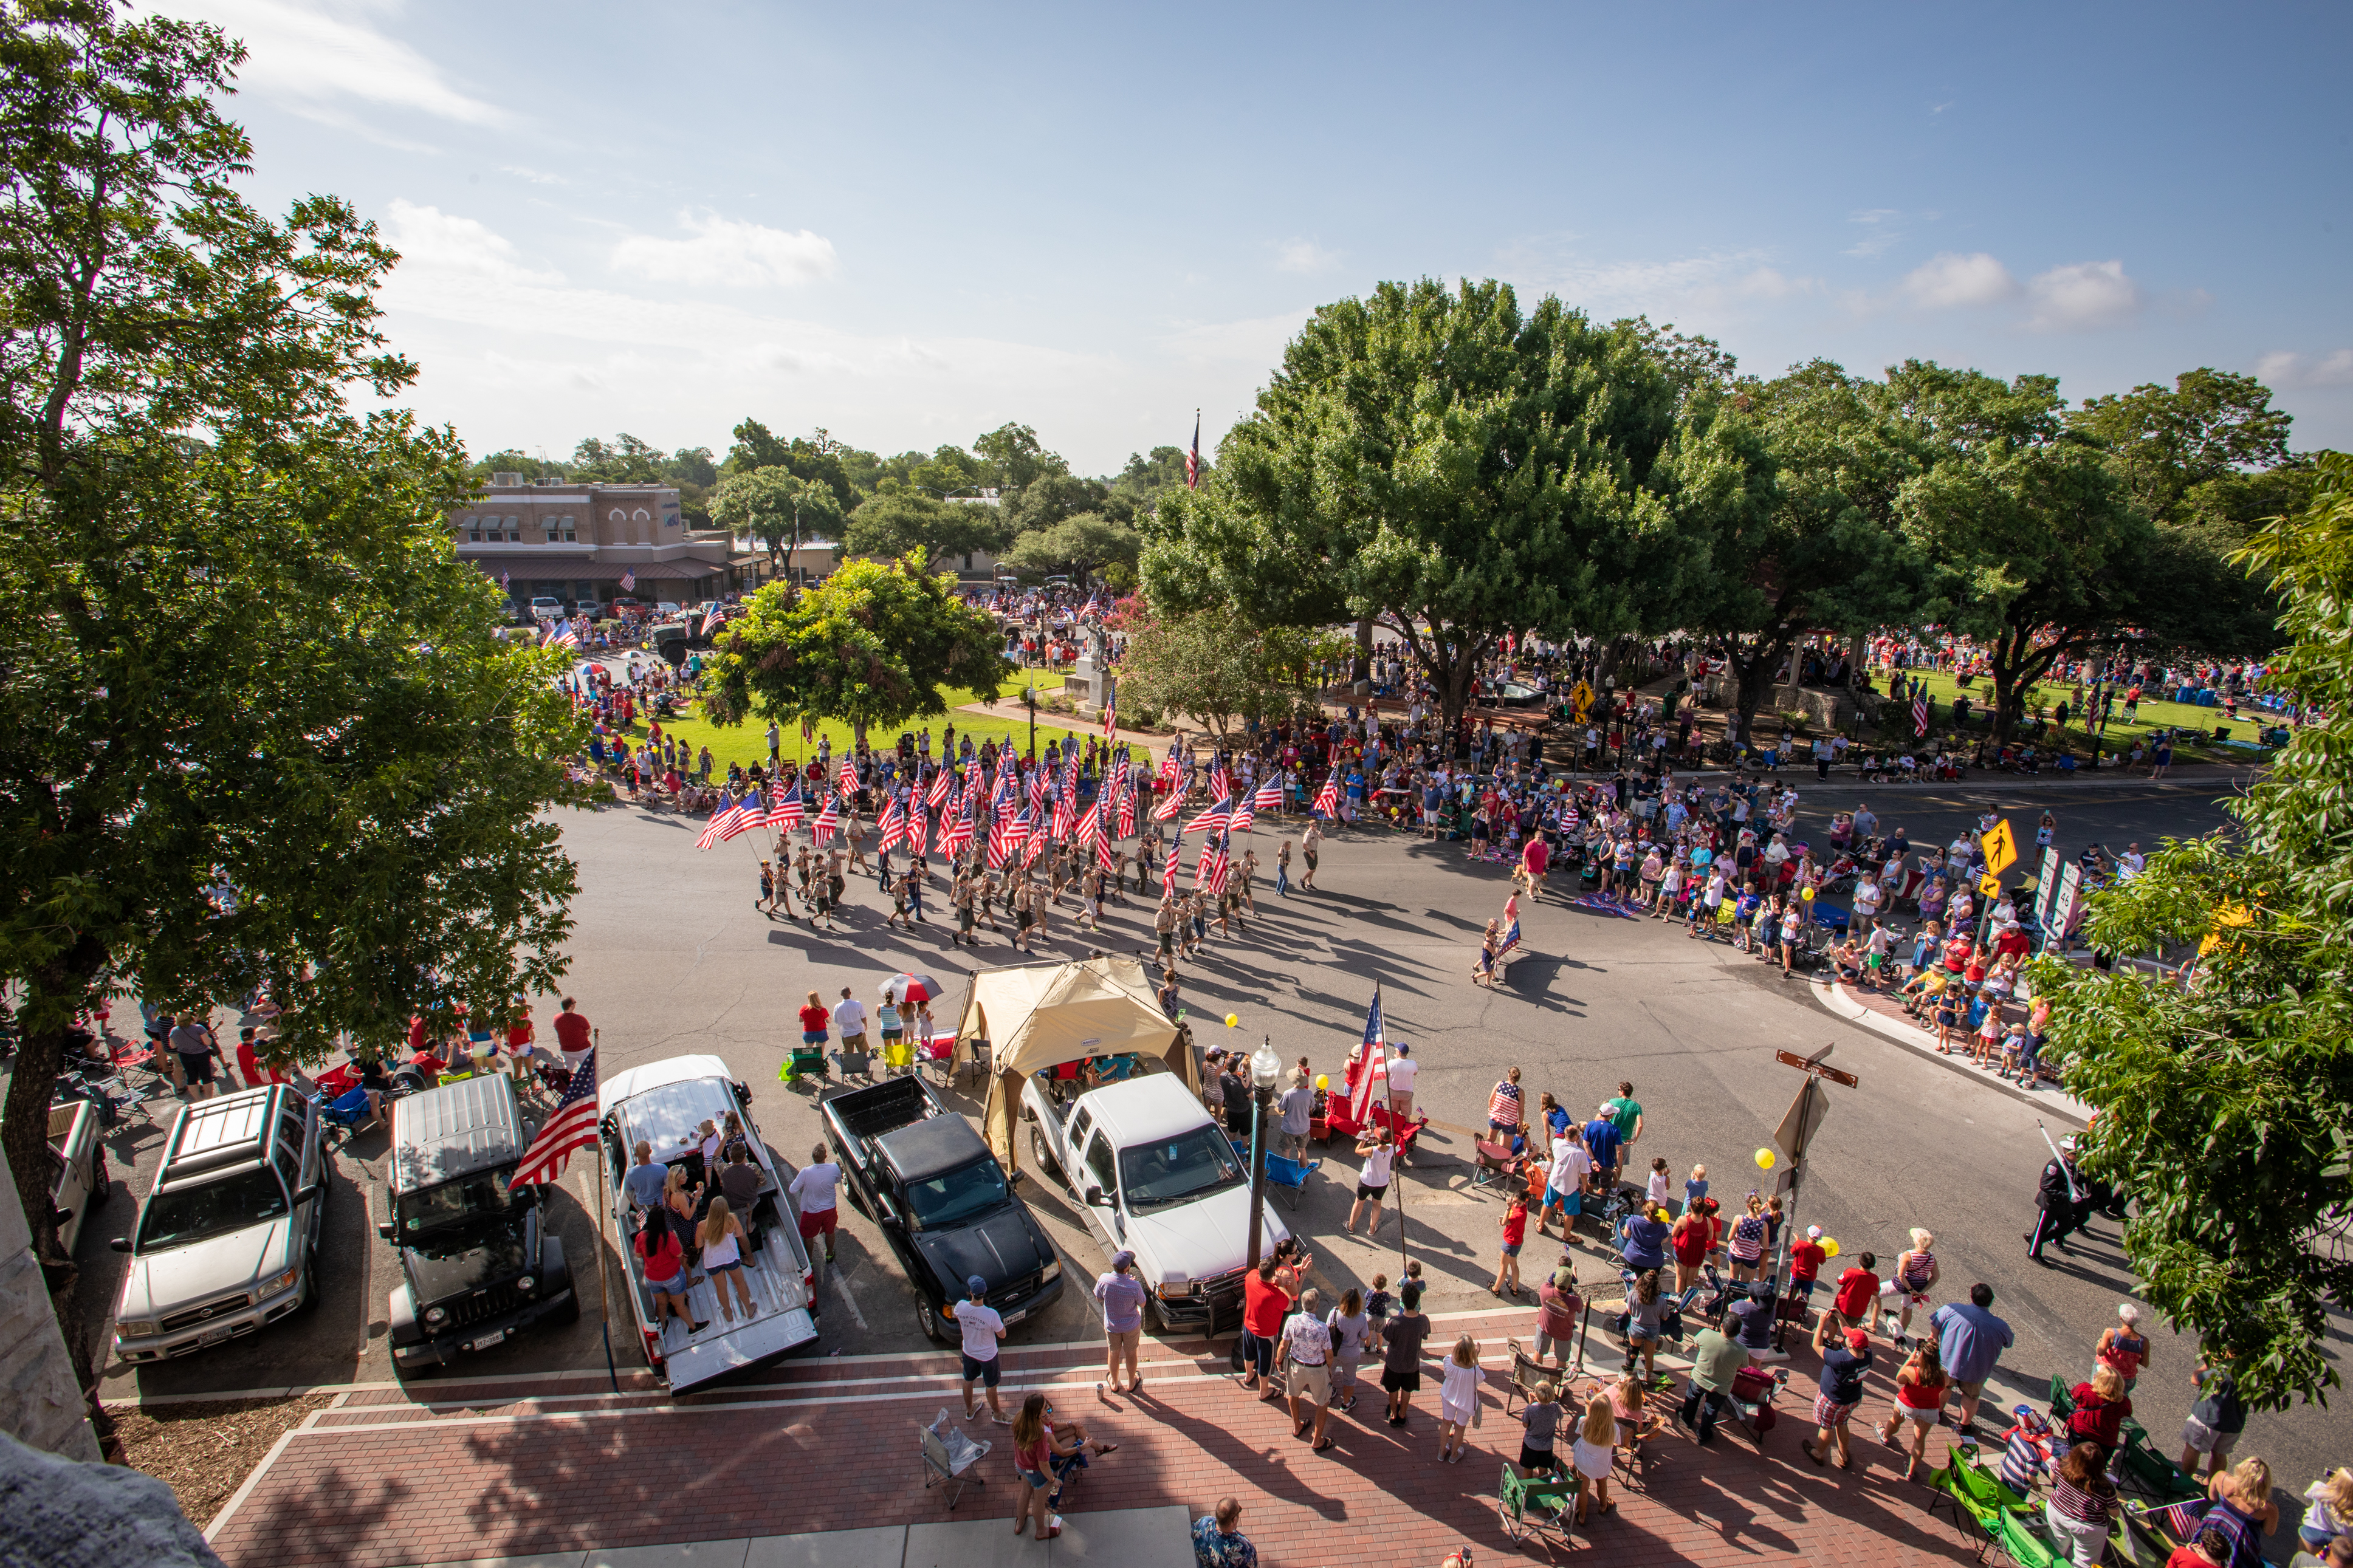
[1794, 1136]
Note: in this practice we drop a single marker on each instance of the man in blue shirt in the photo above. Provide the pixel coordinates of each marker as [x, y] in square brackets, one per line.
[1603, 1141]
[1970, 1341]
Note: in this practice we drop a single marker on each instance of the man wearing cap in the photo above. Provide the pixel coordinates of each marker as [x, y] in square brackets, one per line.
[1605, 1144]
[1306, 1351]
[1716, 1358]
[2060, 1191]
[1122, 1296]
[1970, 1341]
[1557, 1306]
[982, 1329]
[1842, 1391]
[1805, 1260]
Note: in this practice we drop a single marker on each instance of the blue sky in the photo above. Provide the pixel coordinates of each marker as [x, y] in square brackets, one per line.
[912, 224]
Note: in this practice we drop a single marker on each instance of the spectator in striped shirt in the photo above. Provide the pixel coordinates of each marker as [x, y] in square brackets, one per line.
[1506, 1110]
[2083, 1501]
[2026, 1453]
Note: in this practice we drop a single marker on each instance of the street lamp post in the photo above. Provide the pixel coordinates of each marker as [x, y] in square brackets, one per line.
[1029, 700]
[1266, 1071]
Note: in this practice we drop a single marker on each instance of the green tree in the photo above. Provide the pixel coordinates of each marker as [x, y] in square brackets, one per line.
[890, 525]
[2041, 553]
[1086, 543]
[878, 644]
[1827, 552]
[816, 456]
[1013, 459]
[1460, 469]
[256, 730]
[1212, 667]
[1053, 498]
[777, 508]
[627, 461]
[2226, 1104]
[2210, 426]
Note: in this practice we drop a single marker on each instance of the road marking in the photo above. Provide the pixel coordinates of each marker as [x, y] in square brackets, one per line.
[236, 1499]
[842, 1285]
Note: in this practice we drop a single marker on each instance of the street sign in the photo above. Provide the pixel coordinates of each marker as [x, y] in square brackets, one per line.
[2063, 904]
[1580, 696]
[2046, 886]
[1989, 885]
[2001, 848]
[1813, 1065]
[1799, 1123]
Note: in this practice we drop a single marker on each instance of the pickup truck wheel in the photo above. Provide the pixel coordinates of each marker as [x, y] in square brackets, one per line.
[931, 1323]
[101, 1182]
[1041, 1158]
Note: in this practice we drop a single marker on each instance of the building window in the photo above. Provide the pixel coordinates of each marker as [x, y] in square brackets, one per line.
[565, 524]
[514, 530]
[474, 528]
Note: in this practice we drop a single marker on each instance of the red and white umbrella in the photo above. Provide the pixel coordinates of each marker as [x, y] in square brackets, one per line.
[904, 989]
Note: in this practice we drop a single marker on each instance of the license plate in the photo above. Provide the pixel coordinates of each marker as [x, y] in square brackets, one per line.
[1013, 1318]
[212, 1336]
[487, 1341]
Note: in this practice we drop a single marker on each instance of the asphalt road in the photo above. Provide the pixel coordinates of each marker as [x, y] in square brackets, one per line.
[669, 957]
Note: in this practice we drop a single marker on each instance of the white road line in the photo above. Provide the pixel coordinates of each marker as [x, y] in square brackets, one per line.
[841, 1287]
[237, 1500]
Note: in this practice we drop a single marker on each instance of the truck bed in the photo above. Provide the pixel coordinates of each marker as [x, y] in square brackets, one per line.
[865, 1114]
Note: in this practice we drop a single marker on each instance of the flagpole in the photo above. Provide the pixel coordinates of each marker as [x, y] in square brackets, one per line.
[1397, 1134]
[604, 1290]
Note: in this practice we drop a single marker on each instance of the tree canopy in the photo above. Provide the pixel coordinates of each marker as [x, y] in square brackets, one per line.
[2226, 1105]
[890, 524]
[1213, 667]
[877, 644]
[1458, 468]
[256, 730]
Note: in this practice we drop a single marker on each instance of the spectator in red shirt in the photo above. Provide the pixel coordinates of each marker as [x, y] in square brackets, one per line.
[573, 1036]
[814, 1019]
[1806, 1259]
[1858, 1290]
[1264, 1306]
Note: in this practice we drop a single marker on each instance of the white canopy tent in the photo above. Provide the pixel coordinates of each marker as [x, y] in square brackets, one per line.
[1036, 1016]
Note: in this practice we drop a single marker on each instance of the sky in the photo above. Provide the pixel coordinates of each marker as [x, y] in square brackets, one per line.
[908, 225]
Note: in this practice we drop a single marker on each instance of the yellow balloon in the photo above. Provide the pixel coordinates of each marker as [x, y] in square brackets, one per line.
[1764, 1159]
[1322, 1080]
[1830, 1247]
[1806, 895]
[1233, 1020]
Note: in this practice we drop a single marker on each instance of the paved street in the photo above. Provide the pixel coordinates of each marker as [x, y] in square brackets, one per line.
[669, 957]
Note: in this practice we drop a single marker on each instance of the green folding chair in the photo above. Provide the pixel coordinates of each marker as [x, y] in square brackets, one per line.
[1520, 1495]
[2025, 1545]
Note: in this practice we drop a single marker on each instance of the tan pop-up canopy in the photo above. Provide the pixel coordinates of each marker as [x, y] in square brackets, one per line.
[1039, 1016]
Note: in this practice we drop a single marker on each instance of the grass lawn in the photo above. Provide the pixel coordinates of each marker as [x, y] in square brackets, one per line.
[2149, 716]
[748, 742]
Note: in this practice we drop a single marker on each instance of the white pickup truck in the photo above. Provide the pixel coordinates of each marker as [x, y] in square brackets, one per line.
[1153, 1173]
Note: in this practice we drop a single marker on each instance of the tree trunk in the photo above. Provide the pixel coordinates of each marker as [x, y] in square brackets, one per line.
[1362, 668]
[1756, 674]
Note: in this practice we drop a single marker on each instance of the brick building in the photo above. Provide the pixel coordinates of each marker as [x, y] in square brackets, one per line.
[575, 542]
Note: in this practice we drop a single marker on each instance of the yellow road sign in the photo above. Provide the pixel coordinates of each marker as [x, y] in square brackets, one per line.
[1581, 695]
[1989, 885]
[2001, 848]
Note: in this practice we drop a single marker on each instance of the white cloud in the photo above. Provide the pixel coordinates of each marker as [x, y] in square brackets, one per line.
[1304, 256]
[1949, 280]
[1877, 236]
[2083, 296]
[444, 251]
[309, 58]
[729, 253]
[2284, 368]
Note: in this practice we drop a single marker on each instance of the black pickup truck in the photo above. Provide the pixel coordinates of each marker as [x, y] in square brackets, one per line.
[923, 1175]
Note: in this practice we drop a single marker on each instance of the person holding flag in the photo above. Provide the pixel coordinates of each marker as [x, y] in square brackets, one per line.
[1310, 844]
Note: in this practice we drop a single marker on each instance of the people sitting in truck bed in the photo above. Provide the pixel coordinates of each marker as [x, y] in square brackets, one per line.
[720, 1238]
[646, 1180]
[739, 1182]
[662, 1245]
[683, 1199]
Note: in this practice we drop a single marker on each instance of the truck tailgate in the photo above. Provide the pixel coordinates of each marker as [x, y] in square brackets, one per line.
[714, 1354]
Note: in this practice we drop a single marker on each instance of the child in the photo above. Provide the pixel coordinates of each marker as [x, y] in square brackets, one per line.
[1660, 1183]
[1458, 1399]
[2013, 1052]
[1948, 1018]
[1541, 1417]
[1595, 1451]
[1378, 1303]
[1626, 1406]
[1988, 1036]
[1695, 1188]
[1349, 1324]
[1514, 1224]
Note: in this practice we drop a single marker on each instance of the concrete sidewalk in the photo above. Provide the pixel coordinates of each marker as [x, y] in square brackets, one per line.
[1885, 1018]
[1131, 1537]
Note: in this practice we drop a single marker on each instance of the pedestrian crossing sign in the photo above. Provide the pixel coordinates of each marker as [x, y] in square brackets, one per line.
[2001, 848]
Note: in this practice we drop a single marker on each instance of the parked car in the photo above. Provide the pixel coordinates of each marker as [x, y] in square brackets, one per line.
[664, 1104]
[547, 609]
[627, 608]
[228, 1239]
[79, 1180]
[666, 610]
[1154, 1175]
[595, 609]
[478, 1260]
[923, 1175]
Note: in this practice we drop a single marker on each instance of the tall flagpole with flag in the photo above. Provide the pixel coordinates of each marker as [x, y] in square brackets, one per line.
[1193, 458]
[1373, 1054]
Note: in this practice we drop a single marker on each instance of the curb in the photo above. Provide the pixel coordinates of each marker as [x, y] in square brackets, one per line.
[1834, 998]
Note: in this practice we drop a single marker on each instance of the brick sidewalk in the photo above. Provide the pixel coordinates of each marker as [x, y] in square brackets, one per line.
[377, 1482]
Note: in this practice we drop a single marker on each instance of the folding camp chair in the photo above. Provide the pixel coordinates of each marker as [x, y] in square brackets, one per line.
[1518, 1495]
[949, 1456]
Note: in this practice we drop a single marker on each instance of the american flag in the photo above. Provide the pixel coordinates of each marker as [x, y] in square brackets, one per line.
[784, 809]
[573, 1125]
[1103, 856]
[1269, 797]
[1038, 792]
[1373, 1061]
[1214, 818]
[1066, 809]
[1193, 458]
[1209, 868]
[1091, 822]
[1243, 814]
[628, 582]
[1175, 862]
[848, 776]
[1170, 807]
[560, 634]
[1920, 714]
[942, 781]
[1126, 800]
[1031, 852]
[1005, 837]
[747, 815]
[918, 827]
[821, 831]
[1511, 940]
[892, 827]
[714, 829]
[957, 833]
[1110, 717]
[1328, 799]
[1221, 787]
[1168, 764]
